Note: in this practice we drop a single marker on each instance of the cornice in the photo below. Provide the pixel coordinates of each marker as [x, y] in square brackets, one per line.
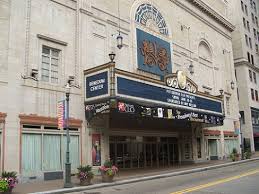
[203, 19]
[246, 63]
[209, 11]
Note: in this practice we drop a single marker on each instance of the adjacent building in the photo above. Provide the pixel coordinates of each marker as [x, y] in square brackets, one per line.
[168, 96]
[244, 14]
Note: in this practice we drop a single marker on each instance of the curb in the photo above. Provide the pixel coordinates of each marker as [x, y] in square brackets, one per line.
[134, 180]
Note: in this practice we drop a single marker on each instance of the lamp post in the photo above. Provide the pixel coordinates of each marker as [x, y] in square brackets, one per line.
[68, 183]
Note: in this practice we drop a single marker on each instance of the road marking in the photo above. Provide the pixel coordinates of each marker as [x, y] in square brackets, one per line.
[199, 187]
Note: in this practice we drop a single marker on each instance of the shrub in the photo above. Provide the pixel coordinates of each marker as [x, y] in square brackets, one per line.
[4, 185]
[108, 168]
[85, 172]
[10, 178]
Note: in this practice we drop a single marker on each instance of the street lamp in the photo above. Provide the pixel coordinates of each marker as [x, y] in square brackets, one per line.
[68, 183]
[119, 41]
[191, 68]
[112, 56]
[221, 91]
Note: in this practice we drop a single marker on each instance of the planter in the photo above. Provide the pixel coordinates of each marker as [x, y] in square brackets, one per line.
[86, 182]
[7, 192]
[106, 178]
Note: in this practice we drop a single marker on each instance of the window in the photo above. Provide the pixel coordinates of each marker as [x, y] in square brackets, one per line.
[254, 33]
[252, 94]
[248, 57]
[252, 59]
[242, 5]
[254, 75]
[250, 75]
[253, 17]
[242, 114]
[251, 3]
[246, 10]
[248, 26]
[246, 37]
[244, 22]
[250, 43]
[256, 21]
[49, 68]
[146, 13]
[256, 95]
[43, 151]
[256, 47]
[255, 7]
[253, 117]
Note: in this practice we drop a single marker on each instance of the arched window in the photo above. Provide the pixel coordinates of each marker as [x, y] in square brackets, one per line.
[204, 51]
[150, 17]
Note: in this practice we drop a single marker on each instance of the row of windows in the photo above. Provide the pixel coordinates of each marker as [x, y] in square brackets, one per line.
[254, 94]
[47, 152]
[250, 58]
[249, 42]
[247, 24]
[252, 76]
[244, 7]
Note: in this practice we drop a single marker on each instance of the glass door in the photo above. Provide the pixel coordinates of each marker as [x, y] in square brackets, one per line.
[213, 152]
[148, 154]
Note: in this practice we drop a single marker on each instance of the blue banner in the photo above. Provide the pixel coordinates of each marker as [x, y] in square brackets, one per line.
[170, 96]
[154, 54]
[97, 85]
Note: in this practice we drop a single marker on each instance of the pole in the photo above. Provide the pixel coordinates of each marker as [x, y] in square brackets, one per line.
[68, 183]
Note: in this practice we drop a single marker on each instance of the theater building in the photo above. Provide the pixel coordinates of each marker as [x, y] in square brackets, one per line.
[167, 97]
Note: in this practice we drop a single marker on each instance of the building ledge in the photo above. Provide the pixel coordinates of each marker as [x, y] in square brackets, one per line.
[42, 120]
[208, 132]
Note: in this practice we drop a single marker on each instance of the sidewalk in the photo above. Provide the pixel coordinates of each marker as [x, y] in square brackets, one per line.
[42, 186]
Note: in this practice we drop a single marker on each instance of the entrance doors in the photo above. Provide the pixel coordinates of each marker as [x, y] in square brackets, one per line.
[150, 152]
[213, 151]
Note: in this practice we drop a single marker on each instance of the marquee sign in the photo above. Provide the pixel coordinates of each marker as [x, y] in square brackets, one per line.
[154, 54]
[96, 108]
[96, 85]
[168, 113]
[144, 91]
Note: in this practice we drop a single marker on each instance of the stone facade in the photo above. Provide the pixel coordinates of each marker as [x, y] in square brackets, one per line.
[244, 14]
[84, 32]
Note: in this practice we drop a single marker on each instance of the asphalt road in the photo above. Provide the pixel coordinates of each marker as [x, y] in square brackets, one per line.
[238, 179]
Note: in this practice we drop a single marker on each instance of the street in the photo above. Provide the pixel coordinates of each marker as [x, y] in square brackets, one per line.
[238, 179]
